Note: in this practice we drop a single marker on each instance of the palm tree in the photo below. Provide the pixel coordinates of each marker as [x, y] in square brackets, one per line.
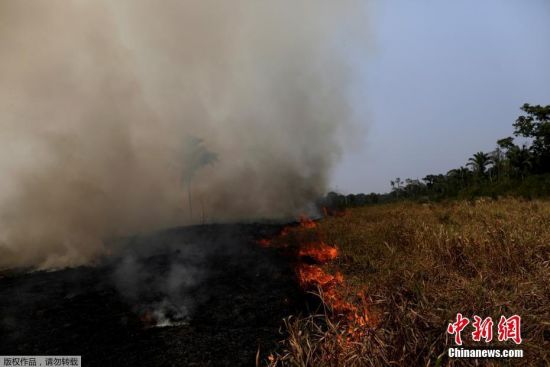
[520, 160]
[455, 177]
[465, 174]
[499, 163]
[479, 162]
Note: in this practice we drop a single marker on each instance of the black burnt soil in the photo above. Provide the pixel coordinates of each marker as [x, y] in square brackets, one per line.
[238, 303]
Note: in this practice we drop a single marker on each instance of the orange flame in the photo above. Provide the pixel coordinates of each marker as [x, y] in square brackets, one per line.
[305, 222]
[320, 252]
[312, 277]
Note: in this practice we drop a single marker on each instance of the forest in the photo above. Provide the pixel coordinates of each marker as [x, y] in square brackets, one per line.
[512, 168]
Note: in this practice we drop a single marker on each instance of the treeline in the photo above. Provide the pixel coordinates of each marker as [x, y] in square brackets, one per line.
[510, 169]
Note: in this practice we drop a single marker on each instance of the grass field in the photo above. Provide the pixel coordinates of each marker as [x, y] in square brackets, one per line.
[421, 264]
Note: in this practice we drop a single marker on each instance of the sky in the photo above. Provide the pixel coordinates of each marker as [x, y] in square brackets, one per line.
[442, 80]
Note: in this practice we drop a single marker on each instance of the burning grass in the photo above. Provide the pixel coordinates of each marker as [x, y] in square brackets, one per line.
[409, 268]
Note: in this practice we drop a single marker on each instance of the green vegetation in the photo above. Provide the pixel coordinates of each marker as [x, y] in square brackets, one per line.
[509, 170]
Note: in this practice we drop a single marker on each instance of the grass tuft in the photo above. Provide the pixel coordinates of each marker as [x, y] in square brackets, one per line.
[421, 264]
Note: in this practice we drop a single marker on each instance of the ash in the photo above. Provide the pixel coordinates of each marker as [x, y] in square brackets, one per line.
[203, 295]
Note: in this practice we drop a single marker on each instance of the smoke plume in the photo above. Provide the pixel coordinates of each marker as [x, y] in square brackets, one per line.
[120, 117]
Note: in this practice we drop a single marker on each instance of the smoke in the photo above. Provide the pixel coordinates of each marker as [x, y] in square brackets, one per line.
[104, 103]
[166, 291]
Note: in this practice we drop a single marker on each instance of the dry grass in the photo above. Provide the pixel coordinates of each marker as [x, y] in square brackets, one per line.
[423, 263]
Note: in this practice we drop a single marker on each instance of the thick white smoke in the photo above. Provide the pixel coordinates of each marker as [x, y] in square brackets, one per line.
[114, 113]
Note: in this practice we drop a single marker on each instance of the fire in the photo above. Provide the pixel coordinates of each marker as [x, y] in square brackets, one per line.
[311, 276]
[320, 252]
[332, 288]
[312, 256]
[305, 222]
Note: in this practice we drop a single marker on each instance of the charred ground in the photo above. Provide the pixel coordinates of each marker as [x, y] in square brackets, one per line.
[236, 304]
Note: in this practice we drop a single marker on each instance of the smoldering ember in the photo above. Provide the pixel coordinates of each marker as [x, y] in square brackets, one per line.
[176, 183]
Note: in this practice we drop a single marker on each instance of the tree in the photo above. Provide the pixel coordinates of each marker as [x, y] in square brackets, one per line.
[520, 160]
[505, 170]
[506, 143]
[535, 125]
[479, 162]
[458, 178]
[396, 186]
[499, 164]
[196, 156]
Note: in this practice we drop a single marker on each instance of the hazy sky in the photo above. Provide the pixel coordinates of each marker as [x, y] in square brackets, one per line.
[443, 80]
